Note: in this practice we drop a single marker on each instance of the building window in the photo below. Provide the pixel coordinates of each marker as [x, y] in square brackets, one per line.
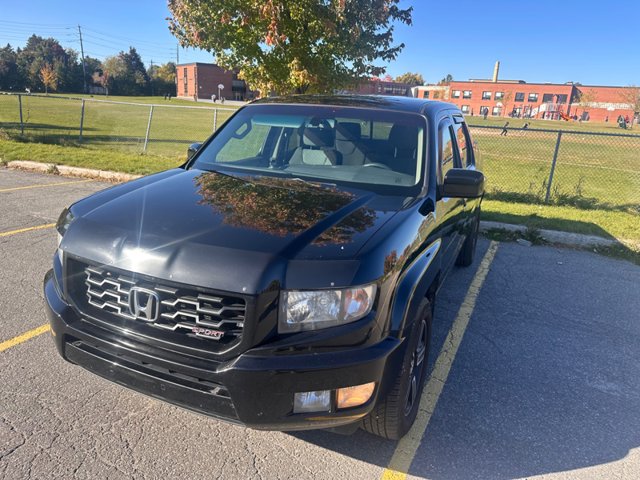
[495, 111]
[456, 94]
[519, 96]
[486, 95]
[533, 97]
[499, 96]
[436, 95]
[547, 98]
[562, 99]
[465, 108]
[425, 94]
[466, 94]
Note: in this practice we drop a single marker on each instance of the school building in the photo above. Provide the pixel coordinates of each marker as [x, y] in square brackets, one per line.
[517, 98]
[382, 87]
[202, 80]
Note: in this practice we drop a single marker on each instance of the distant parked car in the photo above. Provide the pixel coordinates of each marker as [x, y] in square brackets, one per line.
[285, 276]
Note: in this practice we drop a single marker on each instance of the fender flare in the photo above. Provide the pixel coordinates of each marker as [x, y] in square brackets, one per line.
[413, 286]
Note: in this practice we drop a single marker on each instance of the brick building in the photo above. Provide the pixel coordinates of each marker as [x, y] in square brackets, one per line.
[203, 79]
[518, 98]
[382, 87]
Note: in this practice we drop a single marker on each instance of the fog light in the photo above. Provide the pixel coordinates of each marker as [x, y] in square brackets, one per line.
[319, 401]
[355, 396]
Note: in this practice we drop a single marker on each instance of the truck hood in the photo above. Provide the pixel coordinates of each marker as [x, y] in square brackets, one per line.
[228, 233]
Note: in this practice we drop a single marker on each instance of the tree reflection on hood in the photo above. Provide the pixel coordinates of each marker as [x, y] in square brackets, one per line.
[281, 207]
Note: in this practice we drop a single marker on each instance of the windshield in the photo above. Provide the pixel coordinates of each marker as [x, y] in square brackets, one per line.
[367, 147]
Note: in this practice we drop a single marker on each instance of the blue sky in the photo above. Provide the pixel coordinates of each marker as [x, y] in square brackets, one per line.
[587, 41]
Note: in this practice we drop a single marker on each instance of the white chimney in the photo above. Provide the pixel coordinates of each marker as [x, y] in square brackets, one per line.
[496, 70]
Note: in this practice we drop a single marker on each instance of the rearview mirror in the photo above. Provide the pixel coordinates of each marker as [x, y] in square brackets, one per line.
[463, 183]
[192, 150]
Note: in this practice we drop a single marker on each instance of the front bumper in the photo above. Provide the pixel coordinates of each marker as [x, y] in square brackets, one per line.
[255, 388]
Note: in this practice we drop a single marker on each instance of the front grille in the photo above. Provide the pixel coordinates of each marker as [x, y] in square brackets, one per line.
[180, 311]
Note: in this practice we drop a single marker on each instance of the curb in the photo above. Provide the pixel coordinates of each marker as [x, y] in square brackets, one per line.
[553, 236]
[115, 177]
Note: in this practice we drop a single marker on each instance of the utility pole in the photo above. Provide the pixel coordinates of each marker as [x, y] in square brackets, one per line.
[84, 68]
[177, 54]
[150, 77]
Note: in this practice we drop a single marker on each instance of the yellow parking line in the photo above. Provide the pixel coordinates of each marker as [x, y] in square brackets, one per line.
[42, 185]
[407, 446]
[28, 229]
[24, 337]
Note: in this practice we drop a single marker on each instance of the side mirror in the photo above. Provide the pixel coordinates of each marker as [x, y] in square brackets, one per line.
[462, 183]
[192, 150]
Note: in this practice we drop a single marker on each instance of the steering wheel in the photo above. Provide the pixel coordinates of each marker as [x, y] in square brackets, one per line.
[377, 165]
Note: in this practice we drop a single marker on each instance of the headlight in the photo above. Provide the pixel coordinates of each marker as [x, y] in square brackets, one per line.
[65, 219]
[313, 310]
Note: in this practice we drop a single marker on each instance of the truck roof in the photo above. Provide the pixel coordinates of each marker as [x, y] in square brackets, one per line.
[406, 104]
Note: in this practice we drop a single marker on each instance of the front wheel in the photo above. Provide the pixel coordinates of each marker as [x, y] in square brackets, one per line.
[393, 416]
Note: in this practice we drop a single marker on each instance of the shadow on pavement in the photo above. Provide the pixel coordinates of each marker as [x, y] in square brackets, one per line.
[547, 378]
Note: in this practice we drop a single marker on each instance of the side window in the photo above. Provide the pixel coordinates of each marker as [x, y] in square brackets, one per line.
[465, 148]
[447, 157]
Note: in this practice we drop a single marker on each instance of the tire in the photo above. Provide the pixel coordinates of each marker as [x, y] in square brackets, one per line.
[465, 257]
[393, 416]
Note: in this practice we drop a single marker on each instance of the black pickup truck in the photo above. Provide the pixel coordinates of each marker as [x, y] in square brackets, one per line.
[285, 276]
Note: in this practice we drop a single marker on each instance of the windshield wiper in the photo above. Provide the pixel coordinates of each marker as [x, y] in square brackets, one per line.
[314, 183]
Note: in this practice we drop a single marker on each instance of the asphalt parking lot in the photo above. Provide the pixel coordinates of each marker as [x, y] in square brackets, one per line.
[543, 381]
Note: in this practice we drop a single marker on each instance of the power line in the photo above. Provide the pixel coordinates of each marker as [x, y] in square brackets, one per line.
[47, 25]
[27, 31]
[155, 47]
[111, 37]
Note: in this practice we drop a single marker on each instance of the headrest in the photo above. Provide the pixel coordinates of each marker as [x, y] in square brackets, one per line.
[403, 136]
[348, 131]
[322, 137]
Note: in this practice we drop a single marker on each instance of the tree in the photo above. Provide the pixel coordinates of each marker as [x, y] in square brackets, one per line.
[49, 77]
[163, 78]
[410, 78]
[9, 76]
[631, 96]
[446, 80]
[276, 207]
[586, 98]
[112, 68]
[506, 100]
[38, 52]
[287, 46]
[125, 74]
[92, 66]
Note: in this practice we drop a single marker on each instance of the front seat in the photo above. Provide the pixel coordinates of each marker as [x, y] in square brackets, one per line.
[317, 147]
[348, 135]
[403, 143]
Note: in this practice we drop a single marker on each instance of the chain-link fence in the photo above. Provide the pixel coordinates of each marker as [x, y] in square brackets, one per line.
[159, 129]
[576, 168]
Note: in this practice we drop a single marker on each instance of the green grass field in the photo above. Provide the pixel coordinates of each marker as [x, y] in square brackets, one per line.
[116, 126]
